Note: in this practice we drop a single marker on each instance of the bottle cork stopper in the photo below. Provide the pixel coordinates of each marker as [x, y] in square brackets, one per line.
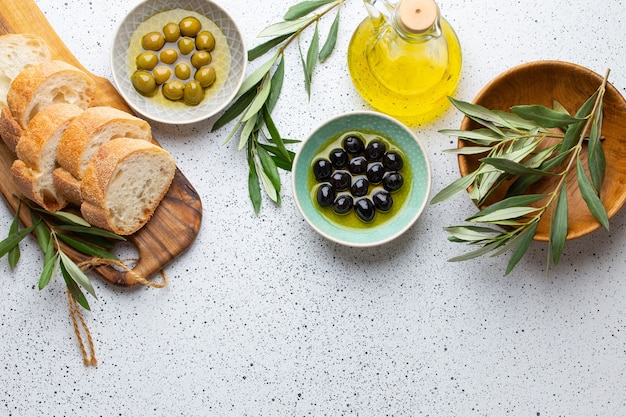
[417, 15]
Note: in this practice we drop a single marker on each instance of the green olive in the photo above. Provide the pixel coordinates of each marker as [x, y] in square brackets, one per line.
[190, 26]
[171, 32]
[144, 83]
[174, 90]
[152, 41]
[205, 76]
[182, 71]
[146, 61]
[194, 93]
[161, 74]
[168, 56]
[201, 58]
[205, 41]
[186, 45]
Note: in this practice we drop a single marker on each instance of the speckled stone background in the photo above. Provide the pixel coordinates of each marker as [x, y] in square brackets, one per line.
[263, 317]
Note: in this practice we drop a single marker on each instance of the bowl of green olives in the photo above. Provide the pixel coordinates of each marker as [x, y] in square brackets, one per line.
[361, 179]
[178, 62]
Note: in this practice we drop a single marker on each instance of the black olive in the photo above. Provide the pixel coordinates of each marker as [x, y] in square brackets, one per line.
[343, 203]
[358, 165]
[375, 150]
[360, 187]
[339, 158]
[340, 180]
[392, 161]
[325, 195]
[382, 200]
[353, 145]
[375, 172]
[322, 169]
[364, 209]
[393, 181]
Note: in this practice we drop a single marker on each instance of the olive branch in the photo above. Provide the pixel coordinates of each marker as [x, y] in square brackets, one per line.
[508, 147]
[266, 148]
[52, 228]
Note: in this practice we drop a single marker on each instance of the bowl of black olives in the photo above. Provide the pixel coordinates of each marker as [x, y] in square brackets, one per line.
[178, 62]
[361, 179]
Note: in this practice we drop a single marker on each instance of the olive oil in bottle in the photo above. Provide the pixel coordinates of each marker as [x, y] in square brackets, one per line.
[408, 63]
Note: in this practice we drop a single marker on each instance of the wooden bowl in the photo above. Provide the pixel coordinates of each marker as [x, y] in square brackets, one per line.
[542, 82]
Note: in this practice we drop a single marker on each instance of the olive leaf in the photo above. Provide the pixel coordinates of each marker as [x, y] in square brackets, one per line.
[265, 47]
[558, 226]
[331, 39]
[504, 215]
[14, 253]
[86, 248]
[277, 85]
[288, 27]
[596, 159]
[480, 136]
[73, 287]
[254, 188]
[13, 239]
[545, 116]
[589, 195]
[308, 63]
[77, 275]
[49, 270]
[470, 233]
[468, 150]
[302, 9]
[523, 242]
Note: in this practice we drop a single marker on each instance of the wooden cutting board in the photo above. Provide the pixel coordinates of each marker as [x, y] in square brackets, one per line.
[176, 222]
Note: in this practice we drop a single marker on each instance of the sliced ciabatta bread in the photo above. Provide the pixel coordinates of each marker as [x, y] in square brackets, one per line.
[124, 183]
[85, 135]
[41, 85]
[18, 51]
[36, 152]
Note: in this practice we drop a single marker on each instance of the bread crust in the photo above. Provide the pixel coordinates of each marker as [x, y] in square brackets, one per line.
[62, 79]
[103, 168]
[10, 130]
[94, 127]
[36, 153]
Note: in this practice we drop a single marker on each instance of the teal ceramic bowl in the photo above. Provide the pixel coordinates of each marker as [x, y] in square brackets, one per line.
[406, 210]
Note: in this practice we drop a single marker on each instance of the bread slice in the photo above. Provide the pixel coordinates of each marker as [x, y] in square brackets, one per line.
[124, 183]
[41, 85]
[84, 136]
[17, 51]
[36, 152]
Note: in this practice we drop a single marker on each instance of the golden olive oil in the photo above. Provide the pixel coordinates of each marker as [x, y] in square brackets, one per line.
[410, 82]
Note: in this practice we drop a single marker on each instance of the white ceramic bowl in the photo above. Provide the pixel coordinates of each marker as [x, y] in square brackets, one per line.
[407, 208]
[229, 59]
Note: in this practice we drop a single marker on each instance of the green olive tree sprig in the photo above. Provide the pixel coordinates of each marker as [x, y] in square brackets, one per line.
[51, 228]
[257, 97]
[509, 147]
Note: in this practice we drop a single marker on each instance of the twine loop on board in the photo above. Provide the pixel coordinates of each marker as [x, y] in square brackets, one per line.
[78, 321]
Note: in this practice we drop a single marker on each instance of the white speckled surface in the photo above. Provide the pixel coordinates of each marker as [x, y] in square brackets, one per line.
[263, 317]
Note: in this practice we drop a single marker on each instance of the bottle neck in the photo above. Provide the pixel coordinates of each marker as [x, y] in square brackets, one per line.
[417, 20]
